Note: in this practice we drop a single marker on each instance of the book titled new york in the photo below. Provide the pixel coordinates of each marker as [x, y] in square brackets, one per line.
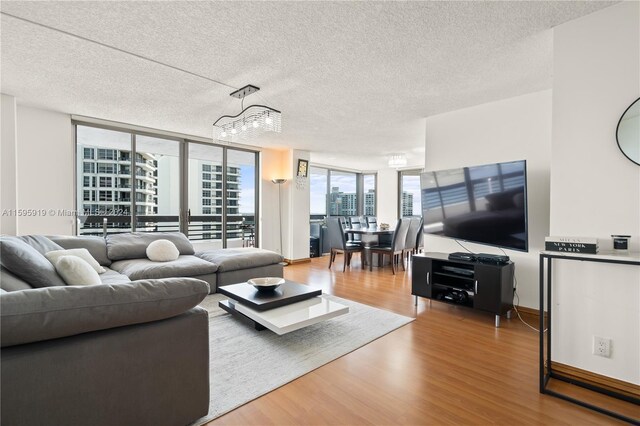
[571, 247]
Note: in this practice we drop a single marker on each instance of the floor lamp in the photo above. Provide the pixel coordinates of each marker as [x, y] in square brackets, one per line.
[279, 182]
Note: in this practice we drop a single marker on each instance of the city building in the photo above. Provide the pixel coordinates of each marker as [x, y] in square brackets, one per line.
[107, 187]
[407, 204]
[106, 192]
[370, 203]
[205, 201]
[342, 203]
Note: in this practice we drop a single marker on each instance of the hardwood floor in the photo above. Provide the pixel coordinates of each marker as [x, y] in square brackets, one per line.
[449, 366]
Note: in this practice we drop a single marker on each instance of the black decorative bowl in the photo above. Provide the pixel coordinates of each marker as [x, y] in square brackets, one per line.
[266, 284]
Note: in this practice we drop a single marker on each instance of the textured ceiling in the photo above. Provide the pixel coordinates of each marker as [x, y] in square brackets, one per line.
[354, 79]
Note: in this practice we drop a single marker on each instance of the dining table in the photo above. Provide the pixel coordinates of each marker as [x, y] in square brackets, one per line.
[374, 230]
[370, 237]
[371, 231]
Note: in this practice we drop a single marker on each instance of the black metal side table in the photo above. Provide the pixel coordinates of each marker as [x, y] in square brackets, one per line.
[546, 370]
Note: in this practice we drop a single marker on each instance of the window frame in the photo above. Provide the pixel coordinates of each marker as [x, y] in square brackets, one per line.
[183, 141]
[401, 173]
[359, 190]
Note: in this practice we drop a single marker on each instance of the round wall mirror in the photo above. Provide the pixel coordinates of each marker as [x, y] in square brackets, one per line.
[628, 132]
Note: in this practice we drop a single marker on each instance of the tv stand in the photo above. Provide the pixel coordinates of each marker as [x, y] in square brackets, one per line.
[483, 286]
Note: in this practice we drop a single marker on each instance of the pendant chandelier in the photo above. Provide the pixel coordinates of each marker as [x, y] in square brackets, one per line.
[397, 161]
[250, 123]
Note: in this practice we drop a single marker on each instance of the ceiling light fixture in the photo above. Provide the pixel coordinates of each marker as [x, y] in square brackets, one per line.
[262, 118]
[397, 160]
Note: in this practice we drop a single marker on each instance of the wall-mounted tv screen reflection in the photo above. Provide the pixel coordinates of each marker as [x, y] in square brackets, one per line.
[484, 204]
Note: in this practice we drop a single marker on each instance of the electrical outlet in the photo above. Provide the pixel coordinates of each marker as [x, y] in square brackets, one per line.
[601, 346]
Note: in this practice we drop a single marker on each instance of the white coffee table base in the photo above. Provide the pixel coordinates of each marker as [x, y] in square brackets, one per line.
[295, 316]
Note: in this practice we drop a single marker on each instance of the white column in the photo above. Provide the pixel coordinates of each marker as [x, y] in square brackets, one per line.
[8, 166]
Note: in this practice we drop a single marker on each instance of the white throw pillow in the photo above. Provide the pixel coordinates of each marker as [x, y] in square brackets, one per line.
[82, 253]
[76, 271]
[162, 251]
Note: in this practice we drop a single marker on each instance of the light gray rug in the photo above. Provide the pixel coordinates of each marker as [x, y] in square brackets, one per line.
[246, 364]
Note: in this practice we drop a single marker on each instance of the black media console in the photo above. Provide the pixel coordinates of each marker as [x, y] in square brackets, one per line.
[483, 286]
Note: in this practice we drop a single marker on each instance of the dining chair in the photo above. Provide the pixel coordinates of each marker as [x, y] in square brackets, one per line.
[372, 221]
[356, 222]
[345, 224]
[339, 244]
[396, 249]
[410, 244]
[420, 238]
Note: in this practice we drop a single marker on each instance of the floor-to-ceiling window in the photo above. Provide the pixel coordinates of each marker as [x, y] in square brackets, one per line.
[128, 181]
[158, 181]
[369, 194]
[409, 202]
[103, 180]
[318, 178]
[205, 213]
[241, 198]
[341, 193]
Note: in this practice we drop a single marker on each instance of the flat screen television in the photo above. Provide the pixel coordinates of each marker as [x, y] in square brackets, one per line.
[484, 204]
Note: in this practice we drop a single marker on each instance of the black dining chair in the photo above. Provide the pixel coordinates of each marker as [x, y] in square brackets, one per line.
[410, 245]
[396, 249]
[420, 238]
[339, 244]
[357, 222]
[345, 224]
[372, 221]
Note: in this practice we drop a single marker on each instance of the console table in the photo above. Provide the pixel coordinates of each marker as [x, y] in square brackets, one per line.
[546, 371]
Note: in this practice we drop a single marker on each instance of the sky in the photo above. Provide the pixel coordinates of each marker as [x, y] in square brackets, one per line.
[247, 189]
[318, 184]
[346, 183]
[411, 184]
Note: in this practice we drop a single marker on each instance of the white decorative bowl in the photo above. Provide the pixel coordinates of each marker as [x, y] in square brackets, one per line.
[267, 283]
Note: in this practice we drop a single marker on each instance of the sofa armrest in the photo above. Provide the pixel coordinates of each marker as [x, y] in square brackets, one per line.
[49, 313]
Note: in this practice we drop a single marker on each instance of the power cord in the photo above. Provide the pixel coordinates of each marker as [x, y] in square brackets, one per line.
[516, 296]
[460, 244]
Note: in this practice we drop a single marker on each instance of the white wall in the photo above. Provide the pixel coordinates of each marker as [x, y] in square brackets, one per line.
[45, 171]
[512, 129]
[8, 173]
[298, 206]
[387, 196]
[292, 202]
[272, 167]
[595, 190]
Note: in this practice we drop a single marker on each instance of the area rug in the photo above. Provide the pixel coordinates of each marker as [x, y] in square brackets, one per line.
[245, 363]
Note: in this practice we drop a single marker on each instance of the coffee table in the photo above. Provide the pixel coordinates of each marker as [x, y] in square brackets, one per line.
[290, 307]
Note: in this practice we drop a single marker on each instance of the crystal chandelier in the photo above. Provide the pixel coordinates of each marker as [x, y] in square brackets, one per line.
[250, 123]
[397, 161]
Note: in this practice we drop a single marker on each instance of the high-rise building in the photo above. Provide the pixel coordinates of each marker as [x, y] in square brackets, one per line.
[107, 184]
[342, 203]
[107, 187]
[205, 197]
[407, 204]
[370, 203]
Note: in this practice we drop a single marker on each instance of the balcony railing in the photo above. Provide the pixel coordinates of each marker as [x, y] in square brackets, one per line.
[202, 227]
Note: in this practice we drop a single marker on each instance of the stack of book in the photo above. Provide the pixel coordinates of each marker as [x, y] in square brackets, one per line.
[586, 245]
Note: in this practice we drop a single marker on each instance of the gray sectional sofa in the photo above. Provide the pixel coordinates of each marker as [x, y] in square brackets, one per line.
[133, 350]
[125, 256]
